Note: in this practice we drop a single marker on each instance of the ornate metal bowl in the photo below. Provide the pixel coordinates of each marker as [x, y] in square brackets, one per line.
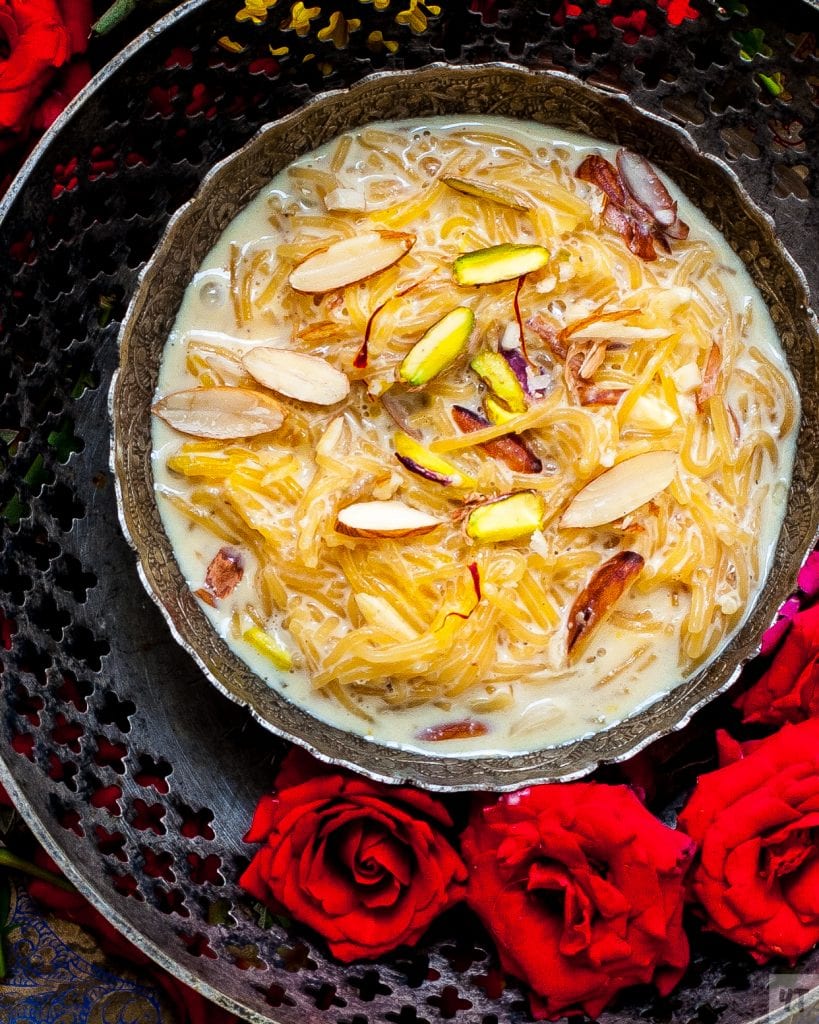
[549, 97]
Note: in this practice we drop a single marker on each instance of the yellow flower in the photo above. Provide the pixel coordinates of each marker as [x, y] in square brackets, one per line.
[338, 29]
[230, 45]
[255, 11]
[300, 18]
[416, 15]
[376, 42]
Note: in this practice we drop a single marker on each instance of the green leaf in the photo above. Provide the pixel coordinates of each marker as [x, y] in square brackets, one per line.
[14, 510]
[14, 863]
[116, 13]
[106, 304]
[65, 441]
[36, 474]
[775, 84]
[752, 42]
[83, 383]
[5, 902]
[219, 912]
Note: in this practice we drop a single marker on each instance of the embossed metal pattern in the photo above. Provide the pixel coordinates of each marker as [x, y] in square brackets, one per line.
[546, 96]
[134, 772]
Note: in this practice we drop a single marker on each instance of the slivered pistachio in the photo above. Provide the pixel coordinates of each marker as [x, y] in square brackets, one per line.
[596, 601]
[297, 375]
[493, 193]
[350, 260]
[621, 489]
[427, 464]
[265, 644]
[220, 413]
[507, 518]
[499, 376]
[438, 348]
[496, 411]
[499, 263]
[384, 519]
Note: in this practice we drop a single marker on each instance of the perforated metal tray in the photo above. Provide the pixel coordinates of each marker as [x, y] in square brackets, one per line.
[135, 774]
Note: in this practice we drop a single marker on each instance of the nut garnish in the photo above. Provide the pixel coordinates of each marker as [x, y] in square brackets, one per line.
[621, 489]
[220, 413]
[494, 193]
[350, 260]
[438, 348]
[384, 519]
[495, 371]
[509, 449]
[453, 731]
[224, 572]
[710, 377]
[596, 601]
[418, 459]
[507, 518]
[499, 263]
[265, 644]
[297, 375]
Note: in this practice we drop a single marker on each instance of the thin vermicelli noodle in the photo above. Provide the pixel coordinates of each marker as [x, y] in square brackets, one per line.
[441, 619]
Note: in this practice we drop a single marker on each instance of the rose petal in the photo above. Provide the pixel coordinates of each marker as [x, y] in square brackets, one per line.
[808, 580]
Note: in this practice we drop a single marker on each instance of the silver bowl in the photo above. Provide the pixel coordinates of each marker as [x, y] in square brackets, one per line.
[551, 98]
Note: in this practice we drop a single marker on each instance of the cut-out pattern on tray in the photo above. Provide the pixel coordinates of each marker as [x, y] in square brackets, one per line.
[144, 775]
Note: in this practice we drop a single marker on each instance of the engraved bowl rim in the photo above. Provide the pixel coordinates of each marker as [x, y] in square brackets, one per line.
[492, 777]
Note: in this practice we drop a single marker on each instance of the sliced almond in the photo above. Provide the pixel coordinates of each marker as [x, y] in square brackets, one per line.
[221, 413]
[350, 260]
[378, 612]
[580, 326]
[620, 332]
[492, 193]
[597, 599]
[621, 489]
[297, 375]
[384, 519]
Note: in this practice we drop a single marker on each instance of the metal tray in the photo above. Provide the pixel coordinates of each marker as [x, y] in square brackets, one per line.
[133, 772]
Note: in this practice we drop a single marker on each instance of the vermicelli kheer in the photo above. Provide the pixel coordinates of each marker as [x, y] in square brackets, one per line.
[470, 436]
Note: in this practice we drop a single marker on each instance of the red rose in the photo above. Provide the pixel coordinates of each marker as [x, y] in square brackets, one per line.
[757, 876]
[42, 37]
[582, 890]
[365, 865]
[789, 690]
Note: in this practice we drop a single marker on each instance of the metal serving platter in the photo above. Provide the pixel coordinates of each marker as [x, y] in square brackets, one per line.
[136, 774]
